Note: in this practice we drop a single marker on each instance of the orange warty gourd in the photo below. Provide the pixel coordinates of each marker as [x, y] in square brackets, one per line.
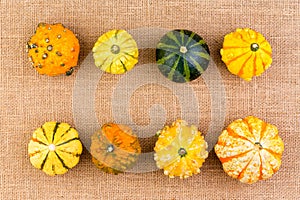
[53, 50]
[114, 148]
[250, 149]
[246, 53]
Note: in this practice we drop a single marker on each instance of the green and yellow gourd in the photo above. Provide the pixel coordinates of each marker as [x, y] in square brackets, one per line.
[115, 52]
[182, 55]
[114, 148]
[54, 148]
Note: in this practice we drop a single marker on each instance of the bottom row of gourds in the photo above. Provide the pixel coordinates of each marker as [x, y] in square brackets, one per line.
[249, 149]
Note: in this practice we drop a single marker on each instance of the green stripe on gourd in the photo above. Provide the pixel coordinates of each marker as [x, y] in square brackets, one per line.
[182, 55]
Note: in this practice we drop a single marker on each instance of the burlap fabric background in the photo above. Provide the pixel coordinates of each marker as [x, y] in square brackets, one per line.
[28, 99]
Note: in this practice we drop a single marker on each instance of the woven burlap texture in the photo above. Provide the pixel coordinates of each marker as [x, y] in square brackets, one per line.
[29, 99]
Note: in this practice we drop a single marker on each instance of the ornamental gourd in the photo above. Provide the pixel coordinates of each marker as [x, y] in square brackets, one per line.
[182, 55]
[114, 148]
[54, 148]
[180, 150]
[115, 52]
[53, 50]
[250, 149]
[246, 53]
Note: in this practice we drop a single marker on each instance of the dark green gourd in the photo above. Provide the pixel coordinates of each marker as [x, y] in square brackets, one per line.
[182, 55]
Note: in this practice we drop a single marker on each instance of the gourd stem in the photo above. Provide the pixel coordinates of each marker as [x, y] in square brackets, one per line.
[182, 152]
[115, 49]
[110, 148]
[183, 49]
[254, 47]
[259, 145]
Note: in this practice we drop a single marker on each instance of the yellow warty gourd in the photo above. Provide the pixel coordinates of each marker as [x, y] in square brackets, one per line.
[180, 150]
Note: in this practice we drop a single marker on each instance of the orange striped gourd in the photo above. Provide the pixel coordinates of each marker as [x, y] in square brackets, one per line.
[250, 149]
[246, 53]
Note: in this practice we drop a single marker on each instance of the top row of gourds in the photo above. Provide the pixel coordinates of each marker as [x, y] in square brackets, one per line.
[181, 55]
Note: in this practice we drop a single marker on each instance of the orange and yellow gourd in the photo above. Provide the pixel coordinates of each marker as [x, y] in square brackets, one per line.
[246, 53]
[250, 150]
